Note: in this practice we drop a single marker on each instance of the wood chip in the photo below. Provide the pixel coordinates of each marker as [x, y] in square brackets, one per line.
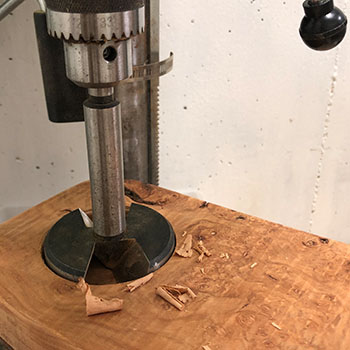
[186, 249]
[138, 283]
[184, 234]
[202, 271]
[276, 326]
[96, 305]
[253, 265]
[176, 295]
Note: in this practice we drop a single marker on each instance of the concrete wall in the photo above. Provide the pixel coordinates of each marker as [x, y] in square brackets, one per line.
[250, 118]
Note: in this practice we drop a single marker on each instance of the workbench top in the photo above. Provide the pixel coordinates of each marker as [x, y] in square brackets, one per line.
[265, 286]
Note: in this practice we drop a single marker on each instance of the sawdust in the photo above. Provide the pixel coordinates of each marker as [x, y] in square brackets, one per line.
[96, 305]
[176, 295]
[138, 283]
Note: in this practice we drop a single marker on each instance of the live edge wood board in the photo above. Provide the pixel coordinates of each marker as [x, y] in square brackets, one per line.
[264, 287]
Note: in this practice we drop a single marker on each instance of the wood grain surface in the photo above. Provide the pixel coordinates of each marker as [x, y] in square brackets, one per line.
[264, 287]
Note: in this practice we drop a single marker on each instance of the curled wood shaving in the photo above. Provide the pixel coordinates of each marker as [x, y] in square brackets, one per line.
[253, 265]
[202, 271]
[96, 305]
[138, 283]
[176, 295]
[186, 249]
[169, 298]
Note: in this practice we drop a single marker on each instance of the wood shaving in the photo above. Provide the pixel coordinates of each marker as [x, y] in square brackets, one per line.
[96, 305]
[224, 256]
[82, 285]
[184, 298]
[276, 326]
[138, 283]
[202, 271]
[206, 347]
[253, 265]
[176, 295]
[186, 249]
[87, 221]
[201, 257]
[202, 251]
[184, 234]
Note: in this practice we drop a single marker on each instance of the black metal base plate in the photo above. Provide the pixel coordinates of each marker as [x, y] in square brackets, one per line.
[147, 245]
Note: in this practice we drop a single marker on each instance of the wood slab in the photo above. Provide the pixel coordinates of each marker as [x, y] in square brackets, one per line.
[264, 287]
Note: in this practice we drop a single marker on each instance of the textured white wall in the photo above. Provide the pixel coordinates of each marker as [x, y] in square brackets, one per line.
[37, 158]
[250, 118]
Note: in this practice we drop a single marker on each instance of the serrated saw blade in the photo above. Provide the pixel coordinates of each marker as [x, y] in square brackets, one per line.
[152, 25]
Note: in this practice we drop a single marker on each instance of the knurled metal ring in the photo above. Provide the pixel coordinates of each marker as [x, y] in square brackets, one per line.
[95, 26]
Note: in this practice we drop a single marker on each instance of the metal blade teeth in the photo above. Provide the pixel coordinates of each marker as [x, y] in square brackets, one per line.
[155, 134]
[92, 27]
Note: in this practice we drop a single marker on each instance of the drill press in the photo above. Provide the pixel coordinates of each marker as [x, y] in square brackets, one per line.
[103, 45]
[102, 40]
